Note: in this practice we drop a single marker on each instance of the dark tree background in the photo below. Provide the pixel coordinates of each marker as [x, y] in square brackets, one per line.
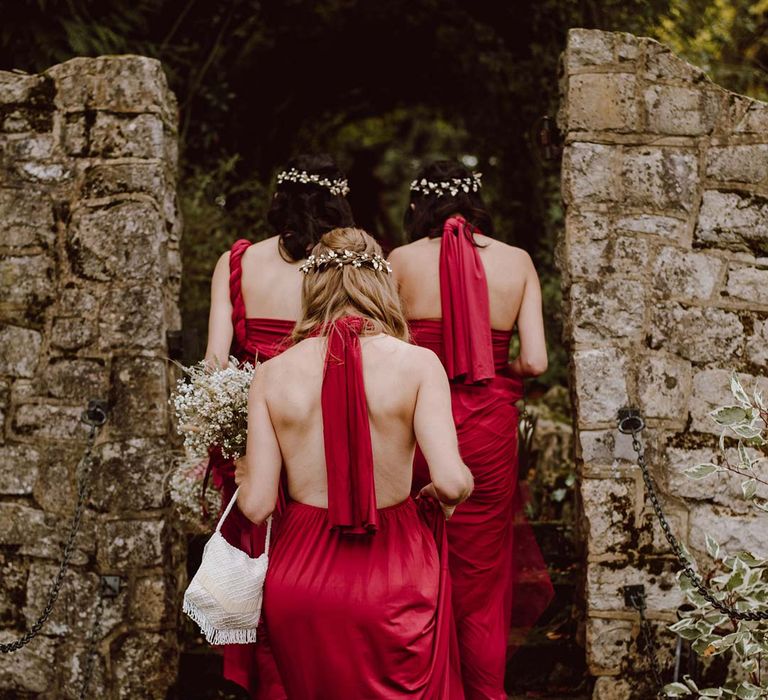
[383, 86]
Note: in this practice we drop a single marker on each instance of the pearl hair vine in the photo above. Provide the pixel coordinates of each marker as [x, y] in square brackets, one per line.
[444, 187]
[332, 258]
[338, 187]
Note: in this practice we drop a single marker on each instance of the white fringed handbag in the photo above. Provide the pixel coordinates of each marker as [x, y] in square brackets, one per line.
[225, 595]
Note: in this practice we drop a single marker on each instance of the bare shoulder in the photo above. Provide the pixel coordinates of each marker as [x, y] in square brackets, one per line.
[505, 255]
[262, 249]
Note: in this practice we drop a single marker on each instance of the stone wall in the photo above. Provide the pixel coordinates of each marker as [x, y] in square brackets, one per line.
[665, 274]
[89, 271]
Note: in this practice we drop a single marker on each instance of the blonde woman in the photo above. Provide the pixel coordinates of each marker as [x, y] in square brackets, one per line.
[357, 599]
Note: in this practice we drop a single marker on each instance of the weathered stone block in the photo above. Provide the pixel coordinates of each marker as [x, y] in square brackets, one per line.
[130, 544]
[127, 84]
[589, 173]
[22, 147]
[606, 448]
[605, 582]
[734, 221]
[748, 116]
[139, 396]
[121, 241]
[105, 179]
[21, 524]
[27, 284]
[711, 389]
[13, 587]
[45, 421]
[664, 385]
[662, 64]
[609, 511]
[73, 615]
[151, 600]
[602, 101]
[117, 136]
[45, 172]
[76, 380]
[748, 284]
[757, 344]
[680, 111]
[72, 661]
[607, 308]
[608, 642]
[661, 178]
[142, 662]
[686, 275]
[131, 475]
[26, 218]
[667, 227]
[734, 533]
[19, 468]
[610, 688]
[133, 317]
[698, 334]
[739, 163]
[21, 351]
[600, 376]
[30, 670]
[74, 325]
[588, 47]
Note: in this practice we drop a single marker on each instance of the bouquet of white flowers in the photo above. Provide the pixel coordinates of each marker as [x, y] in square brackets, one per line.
[211, 407]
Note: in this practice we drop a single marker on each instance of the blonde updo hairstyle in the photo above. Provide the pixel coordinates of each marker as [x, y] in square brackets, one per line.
[332, 292]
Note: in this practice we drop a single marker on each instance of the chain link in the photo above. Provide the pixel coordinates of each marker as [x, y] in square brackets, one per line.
[95, 416]
[688, 569]
[638, 603]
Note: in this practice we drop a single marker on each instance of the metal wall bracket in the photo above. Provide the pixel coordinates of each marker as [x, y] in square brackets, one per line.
[110, 586]
[634, 596]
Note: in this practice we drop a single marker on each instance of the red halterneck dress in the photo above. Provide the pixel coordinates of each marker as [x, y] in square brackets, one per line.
[357, 598]
[498, 574]
[248, 665]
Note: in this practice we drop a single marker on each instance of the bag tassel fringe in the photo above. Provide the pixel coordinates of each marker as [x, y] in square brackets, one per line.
[217, 636]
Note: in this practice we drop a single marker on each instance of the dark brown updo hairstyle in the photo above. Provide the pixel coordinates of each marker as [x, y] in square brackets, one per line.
[301, 213]
[429, 212]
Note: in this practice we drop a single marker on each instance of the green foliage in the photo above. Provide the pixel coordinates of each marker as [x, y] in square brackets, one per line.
[739, 580]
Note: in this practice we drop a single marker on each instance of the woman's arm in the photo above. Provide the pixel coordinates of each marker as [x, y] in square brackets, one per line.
[220, 316]
[532, 360]
[263, 460]
[435, 431]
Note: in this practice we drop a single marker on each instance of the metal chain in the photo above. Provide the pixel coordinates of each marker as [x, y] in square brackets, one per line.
[633, 425]
[638, 603]
[95, 417]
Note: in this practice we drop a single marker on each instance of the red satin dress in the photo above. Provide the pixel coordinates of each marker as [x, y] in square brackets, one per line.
[357, 598]
[498, 574]
[248, 665]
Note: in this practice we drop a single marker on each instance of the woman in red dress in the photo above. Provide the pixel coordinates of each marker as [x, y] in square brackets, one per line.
[464, 293]
[357, 595]
[255, 301]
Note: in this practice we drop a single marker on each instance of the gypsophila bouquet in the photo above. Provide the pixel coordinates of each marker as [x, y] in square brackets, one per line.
[211, 407]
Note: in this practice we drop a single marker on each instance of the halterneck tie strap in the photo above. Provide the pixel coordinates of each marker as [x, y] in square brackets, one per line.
[468, 347]
[347, 433]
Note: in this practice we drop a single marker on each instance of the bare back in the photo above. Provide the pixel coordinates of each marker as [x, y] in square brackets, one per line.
[514, 292]
[271, 285]
[292, 388]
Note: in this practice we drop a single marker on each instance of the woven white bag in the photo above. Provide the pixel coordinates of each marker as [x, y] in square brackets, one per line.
[224, 597]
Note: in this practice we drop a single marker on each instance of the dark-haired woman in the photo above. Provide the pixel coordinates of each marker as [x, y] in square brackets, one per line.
[255, 301]
[464, 292]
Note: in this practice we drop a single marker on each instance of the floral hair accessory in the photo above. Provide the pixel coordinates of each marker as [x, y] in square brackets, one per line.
[452, 186]
[337, 259]
[337, 187]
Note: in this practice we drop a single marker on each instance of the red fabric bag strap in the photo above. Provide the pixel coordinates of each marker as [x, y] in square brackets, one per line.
[236, 291]
[468, 349]
[347, 432]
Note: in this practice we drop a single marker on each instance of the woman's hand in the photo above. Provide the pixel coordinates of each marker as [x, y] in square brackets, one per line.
[429, 492]
[239, 470]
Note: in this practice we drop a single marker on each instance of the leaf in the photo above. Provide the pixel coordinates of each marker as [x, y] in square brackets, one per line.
[759, 400]
[713, 546]
[747, 691]
[738, 391]
[744, 459]
[749, 488]
[747, 432]
[700, 471]
[677, 690]
[729, 415]
[711, 692]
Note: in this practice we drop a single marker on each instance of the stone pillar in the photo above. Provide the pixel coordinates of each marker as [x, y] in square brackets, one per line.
[89, 270]
[665, 274]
